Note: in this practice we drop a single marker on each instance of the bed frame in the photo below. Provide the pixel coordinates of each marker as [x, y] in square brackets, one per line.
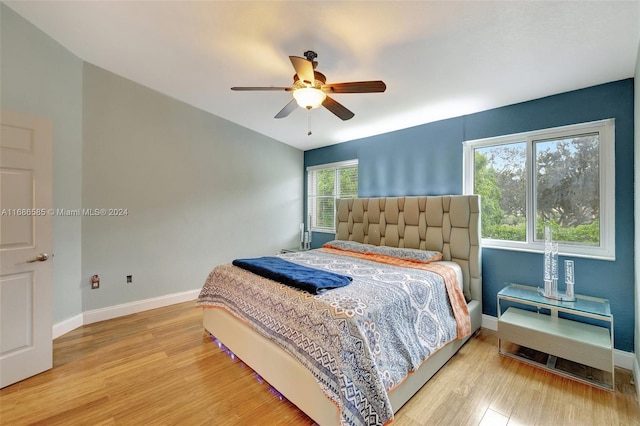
[449, 224]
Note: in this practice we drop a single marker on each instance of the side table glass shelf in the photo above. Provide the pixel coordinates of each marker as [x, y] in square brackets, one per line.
[530, 330]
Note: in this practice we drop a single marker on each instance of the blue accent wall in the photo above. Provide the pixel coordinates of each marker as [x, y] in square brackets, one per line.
[427, 159]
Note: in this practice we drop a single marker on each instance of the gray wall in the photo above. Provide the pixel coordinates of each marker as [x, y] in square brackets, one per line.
[39, 77]
[198, 190]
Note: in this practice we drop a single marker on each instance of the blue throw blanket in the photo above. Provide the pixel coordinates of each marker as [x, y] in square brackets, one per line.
[313, 280]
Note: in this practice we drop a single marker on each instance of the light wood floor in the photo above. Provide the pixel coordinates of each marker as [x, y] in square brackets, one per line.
[157, 368]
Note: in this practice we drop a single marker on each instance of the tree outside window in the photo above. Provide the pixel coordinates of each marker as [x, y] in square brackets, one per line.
[562, 177]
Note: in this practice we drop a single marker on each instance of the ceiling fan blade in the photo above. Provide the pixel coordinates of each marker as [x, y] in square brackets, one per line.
[337, 108]
[355, 87]
[304, 69]
[287, 89]
[288, 108]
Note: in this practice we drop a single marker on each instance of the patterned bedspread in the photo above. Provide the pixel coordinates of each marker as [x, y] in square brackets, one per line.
[359, 341]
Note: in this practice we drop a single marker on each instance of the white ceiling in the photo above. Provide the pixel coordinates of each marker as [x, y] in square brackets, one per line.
[439, 59]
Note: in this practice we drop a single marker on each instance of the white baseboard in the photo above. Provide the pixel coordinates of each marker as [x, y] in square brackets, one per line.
[620, 358]
[116, 311]
[623, 359]
[636, 377]
[489, 322]
[70, 324]
[111, 312]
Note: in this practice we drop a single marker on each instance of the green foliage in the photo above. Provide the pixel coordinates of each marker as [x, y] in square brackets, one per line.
[327, 192]
[566, 175]
[348, 182]
[326, 209]
[486, 187]
[567, 178]
[326, 182]
[583, 234]
[516, 232]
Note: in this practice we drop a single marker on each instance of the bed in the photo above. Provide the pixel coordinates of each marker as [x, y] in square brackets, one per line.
[448, 224]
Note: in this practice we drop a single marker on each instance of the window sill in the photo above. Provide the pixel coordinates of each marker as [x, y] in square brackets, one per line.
[596, 253]
[323, 230]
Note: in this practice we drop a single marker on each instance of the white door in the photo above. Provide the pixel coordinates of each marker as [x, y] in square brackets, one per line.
[26, 239]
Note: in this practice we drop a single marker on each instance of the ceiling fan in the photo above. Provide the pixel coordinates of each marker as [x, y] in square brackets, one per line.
[310, 88]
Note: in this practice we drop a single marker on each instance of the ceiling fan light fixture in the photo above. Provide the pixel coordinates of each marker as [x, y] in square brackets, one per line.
[309, 97]
[310, 87]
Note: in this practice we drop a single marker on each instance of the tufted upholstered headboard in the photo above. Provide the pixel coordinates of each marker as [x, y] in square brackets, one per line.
[449, 224]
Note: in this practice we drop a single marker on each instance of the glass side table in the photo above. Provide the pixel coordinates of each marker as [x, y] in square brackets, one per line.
[562, 344]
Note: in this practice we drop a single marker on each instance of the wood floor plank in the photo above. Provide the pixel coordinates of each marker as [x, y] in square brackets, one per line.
[158, 367]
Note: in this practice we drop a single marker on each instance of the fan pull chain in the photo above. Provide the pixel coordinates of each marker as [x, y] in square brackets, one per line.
[309, 123]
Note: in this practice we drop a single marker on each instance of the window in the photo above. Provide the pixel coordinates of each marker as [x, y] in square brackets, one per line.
[562, 177]
[326, 183]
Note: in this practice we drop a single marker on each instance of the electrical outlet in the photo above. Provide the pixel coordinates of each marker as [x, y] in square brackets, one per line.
[95, 282]
[129, 279]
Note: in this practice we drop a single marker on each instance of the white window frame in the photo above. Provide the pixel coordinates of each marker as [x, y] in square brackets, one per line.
[311, 197]
[606, 146]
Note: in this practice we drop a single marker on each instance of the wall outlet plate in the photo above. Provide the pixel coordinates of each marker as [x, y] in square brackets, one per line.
[95, 282]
